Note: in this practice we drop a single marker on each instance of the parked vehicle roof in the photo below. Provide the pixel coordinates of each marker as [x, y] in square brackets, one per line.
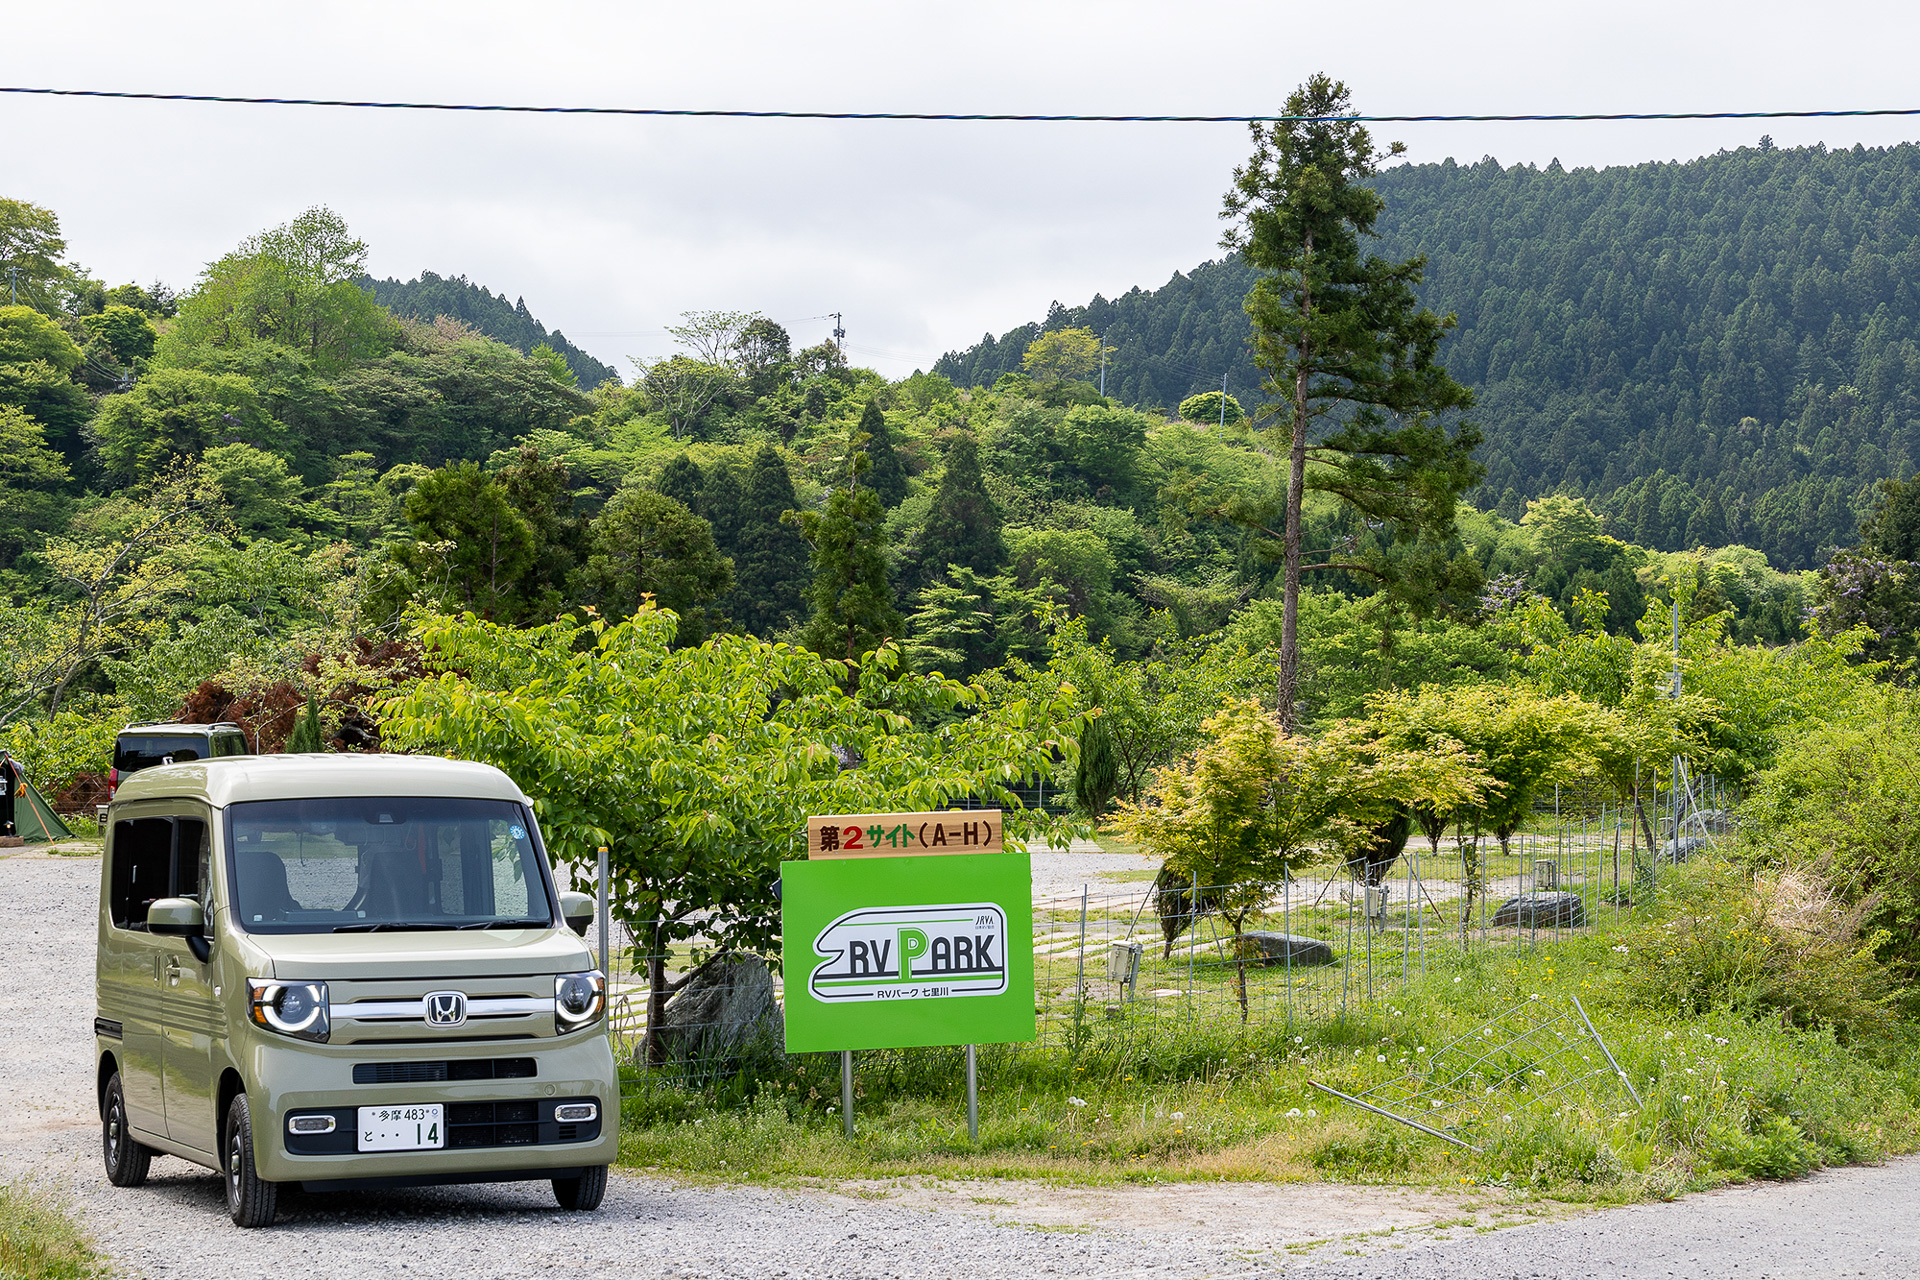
[228, 780]
[177, 726]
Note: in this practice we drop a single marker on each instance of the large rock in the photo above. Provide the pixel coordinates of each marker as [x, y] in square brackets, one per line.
[1683, 848]
[1261, 947]
[1719, 822]
[1541, 911]
[726, 1011]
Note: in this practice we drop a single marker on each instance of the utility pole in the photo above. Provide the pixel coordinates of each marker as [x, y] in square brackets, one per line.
[1676, 644]
[13, 283]
[839, 335]
[1103, 366]
[1223, 401]
[1682, 784]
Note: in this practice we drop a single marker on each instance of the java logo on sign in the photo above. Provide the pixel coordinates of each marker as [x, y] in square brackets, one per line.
[912, 953]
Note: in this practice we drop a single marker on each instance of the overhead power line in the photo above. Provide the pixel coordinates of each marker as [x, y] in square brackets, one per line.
[955, 116]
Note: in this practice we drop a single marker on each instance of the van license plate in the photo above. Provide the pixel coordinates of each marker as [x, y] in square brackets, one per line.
[402, 1128]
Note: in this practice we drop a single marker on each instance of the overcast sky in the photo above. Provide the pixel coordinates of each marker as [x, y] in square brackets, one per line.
[923, 235]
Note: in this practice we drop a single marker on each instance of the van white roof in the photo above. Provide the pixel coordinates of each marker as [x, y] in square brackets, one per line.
[224, 781]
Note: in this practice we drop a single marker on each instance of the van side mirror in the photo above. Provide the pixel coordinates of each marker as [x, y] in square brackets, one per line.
[176, 917]
[181, 918]
[577, 909]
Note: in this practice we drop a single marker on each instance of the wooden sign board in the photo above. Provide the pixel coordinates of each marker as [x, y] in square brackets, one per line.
[904, 835]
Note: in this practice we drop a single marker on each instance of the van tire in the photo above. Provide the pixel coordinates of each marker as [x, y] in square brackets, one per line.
[584, 1192]
[250, 1201]
[127, 1160]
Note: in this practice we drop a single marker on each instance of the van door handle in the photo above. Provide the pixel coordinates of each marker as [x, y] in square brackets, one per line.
[173, 972]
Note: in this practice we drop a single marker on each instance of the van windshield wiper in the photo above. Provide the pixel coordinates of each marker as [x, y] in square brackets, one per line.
[391, 926]
[502, 924]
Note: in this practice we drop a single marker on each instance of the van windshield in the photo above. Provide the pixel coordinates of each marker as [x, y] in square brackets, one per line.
[353, 865]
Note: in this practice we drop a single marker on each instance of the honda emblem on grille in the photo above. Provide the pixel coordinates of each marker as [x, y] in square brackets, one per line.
[445, 1008]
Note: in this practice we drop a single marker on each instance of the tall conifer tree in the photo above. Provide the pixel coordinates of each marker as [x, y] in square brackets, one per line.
[720, 504]
[963, 526]
[850, 600]
[887, 474]
[682, 480]
[770, 559]
[1348, 352]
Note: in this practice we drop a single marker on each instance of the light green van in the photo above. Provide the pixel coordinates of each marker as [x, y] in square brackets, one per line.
[346, 972]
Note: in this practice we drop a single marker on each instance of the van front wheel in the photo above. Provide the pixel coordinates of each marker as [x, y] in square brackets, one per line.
[127, 1159]
[583, 1192]
[250, 1201]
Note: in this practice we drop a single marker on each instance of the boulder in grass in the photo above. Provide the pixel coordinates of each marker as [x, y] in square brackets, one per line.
[1263, 948]
[1682, 849]
[1719, 822]
[726, 1011]
[1541, 911]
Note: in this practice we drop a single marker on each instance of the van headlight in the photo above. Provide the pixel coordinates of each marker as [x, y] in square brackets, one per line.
[578, 999]
[290, 1008]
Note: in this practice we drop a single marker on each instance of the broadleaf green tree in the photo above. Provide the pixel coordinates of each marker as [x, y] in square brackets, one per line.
[32, 246]
[1252, 801]
[127, 334]
[470, 548]
[179, 413]
[295, 286]
[647, 546]
[1063, 355]
[31, 477]
[698, 767]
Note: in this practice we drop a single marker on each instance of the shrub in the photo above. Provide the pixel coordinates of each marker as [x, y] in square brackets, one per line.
[1843, 798]
[1782, 944]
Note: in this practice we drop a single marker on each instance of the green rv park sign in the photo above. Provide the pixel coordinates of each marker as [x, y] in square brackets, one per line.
[931, 947]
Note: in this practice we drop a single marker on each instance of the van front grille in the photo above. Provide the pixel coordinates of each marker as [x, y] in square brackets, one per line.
[456, 1069]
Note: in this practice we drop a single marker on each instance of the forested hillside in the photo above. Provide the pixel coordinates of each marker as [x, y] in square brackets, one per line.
[1717, 351]
[430, 296]
[219, 502]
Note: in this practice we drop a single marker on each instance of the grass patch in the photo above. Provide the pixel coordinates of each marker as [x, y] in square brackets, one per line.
[1111, 841]
[39, 1241]
[1731, 1091]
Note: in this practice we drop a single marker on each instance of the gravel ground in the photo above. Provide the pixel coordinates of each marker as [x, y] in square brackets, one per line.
[1840, 1223]
[1060, 873]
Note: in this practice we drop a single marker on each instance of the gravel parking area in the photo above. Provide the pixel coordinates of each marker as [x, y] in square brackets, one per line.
[650, 1226]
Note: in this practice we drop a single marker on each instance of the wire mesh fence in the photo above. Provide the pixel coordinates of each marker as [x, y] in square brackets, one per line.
[1121, 967]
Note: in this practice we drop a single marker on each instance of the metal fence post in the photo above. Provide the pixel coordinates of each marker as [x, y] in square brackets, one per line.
[605, 968]
[1080, 980]
[846, 1090]
[973, 1097]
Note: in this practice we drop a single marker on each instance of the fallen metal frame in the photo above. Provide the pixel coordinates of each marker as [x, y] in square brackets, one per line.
[1444, 1086]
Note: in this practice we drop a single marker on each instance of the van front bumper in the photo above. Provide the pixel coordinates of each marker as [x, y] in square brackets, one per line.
[497, 1129]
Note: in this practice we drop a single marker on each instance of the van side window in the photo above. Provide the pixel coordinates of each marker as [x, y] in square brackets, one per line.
[142, 869]
[157, 858]
[191, 855]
